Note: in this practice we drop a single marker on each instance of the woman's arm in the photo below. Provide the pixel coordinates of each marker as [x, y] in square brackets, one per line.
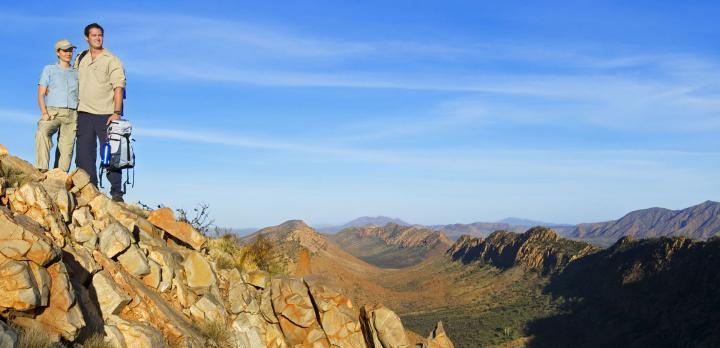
[42, 91]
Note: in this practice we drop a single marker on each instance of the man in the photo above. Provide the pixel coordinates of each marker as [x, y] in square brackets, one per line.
[58, 101]
[102, 81]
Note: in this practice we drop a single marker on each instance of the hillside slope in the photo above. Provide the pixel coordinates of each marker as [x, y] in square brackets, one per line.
[393, 245]
[638, 293]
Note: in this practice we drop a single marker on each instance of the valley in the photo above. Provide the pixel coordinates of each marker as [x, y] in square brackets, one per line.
[506, 290]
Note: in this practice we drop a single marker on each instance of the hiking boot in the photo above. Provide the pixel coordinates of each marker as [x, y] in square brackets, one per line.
[117, 197]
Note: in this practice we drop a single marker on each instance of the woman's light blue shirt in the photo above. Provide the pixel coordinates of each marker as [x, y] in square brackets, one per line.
[62, 85]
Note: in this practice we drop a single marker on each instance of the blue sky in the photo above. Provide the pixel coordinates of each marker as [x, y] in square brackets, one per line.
[435, 112]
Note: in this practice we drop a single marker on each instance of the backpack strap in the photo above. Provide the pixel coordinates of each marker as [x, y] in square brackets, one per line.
[79, 58]
[102, 171]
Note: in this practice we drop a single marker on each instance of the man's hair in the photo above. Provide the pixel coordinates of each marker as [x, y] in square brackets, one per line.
[93, 25]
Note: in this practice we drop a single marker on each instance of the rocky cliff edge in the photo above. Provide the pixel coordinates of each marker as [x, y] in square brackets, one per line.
[77, 265]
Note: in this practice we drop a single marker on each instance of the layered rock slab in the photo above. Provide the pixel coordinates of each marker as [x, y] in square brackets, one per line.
[165, 219]
[296, 314]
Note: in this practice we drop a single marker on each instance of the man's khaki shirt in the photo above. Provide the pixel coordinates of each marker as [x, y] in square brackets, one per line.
[97, 80]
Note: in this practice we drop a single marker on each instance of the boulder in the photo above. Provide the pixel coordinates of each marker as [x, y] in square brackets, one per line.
[266, 307]
[165, 219]
[296, 314]
[22, 239]
[82, 216]
[114, 239]
[153, 278]
[258, 279]
[208, 308]
[8, 336]
[80, 263]
[3, 150]
[198, 272]
[79, 179]
[85, 235]
[86, 195]
[243, 298]
[33, 201]
[249, 330]
[134, 261]
[62, 317]
[110, 297]
[57, 179]
[18, 289]
[62, 323]
[338, 316]
[151, 307]
[113, 337]
[56, 184]
[43, 282]
[382, 327]
[164, 259]
[134, 334]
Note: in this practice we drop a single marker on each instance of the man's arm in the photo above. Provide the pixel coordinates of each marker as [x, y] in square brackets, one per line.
[42, 91]
[118, 97]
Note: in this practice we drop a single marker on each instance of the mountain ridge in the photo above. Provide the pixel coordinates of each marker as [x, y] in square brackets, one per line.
[392, 245]
[700, 221]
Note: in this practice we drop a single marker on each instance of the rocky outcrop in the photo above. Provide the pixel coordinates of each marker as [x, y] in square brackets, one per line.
[659, 292]
[539, 249]
[76, 263]
[382, 328]
[438, 338]
[165, 219]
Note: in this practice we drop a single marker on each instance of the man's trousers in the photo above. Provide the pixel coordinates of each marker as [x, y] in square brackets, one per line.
[91, 132]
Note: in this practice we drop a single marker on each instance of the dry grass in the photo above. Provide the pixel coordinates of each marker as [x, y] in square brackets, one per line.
[34, 337]
[13, 177]
[94, 341]
[231, 254]
[137, 210]
[216, 333]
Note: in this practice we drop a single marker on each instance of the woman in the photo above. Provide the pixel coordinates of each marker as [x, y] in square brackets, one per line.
[58, 101]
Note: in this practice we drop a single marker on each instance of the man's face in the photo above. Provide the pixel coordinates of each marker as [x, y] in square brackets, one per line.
[95, 38]
[65, 55]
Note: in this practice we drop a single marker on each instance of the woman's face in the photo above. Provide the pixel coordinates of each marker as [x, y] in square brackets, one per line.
[65, 55]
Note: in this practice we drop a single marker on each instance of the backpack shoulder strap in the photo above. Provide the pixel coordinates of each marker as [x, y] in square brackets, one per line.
[79, 58]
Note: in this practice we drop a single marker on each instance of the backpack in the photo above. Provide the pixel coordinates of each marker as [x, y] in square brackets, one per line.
[118, 152]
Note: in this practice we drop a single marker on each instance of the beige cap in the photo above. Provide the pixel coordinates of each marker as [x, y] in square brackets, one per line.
[63, 45]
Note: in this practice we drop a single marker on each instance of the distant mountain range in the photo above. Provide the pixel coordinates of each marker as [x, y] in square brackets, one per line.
[699, 222]
[364, 221]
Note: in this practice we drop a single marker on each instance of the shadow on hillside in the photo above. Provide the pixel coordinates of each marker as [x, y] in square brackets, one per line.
[651, 293]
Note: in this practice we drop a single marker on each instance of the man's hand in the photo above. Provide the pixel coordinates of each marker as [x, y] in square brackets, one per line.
[44, 117]
[113, 117]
